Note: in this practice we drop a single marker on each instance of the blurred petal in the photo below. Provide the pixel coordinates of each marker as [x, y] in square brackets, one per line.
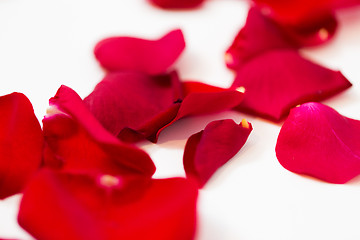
[177, 4]
[260, 34]
[318, 141]
[82, 144]
[279, 80]
[148, 56]
[208, 150]
[21, 143]
[61, 206]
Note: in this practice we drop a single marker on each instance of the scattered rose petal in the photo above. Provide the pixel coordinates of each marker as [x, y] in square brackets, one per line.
[21, 143]
[279, 80]
[76, 141]
[318, 141]
[208, 150]
[135, 106]
[177, 4]
[148, 56]
[61, 206]
[260, 34]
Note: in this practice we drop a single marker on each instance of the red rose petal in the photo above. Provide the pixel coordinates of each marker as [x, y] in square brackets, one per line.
[279, 80]
[259, 34]
[208, 150]
[82, 144]
[125, 101]
[148, 56]
[177, 4]
[134, 106]
[67, 206]
[318, 141]
[21, 143]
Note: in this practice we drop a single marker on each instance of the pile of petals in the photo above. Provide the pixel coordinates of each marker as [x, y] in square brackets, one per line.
[81, 180]
[269, 67]
[316, 140]
[143, 96]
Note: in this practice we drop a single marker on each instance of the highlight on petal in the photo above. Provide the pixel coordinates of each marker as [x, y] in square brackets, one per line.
[148, 56]
[21, 143]
[211, 148]
[61, 206]
[82, 144]
[279, 80]
[316, 140]
[260, 34]
[177, 4]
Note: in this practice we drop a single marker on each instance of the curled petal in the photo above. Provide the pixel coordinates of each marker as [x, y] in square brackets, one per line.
[125, 101]
[248, 43]
[279, 80]
[177, 4]
[81, 143]
[148, 56]
[21, 143]
[71, 206]
[318, 141]
[208, 150]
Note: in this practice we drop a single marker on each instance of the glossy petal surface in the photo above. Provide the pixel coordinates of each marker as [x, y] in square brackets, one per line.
[148, 56]
[68, 206]
[279, 80]
[21, 143]
[318, 141]
[208, 150]
[177, 4]
[82, 144]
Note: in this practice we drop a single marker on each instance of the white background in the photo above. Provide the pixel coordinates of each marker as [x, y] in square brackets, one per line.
[44, 44]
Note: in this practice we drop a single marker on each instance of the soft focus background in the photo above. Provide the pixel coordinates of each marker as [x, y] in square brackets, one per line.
[44, 44]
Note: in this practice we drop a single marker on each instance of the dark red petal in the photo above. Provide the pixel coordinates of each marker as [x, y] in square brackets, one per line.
[318, 141]
[177, 4]
[259, 34]
[202, 99]
[208, 150]
[61, 206]
[78, 141]
[279, 80]
[312, 33]
[21, 143]
[133, 105]
[148, 56]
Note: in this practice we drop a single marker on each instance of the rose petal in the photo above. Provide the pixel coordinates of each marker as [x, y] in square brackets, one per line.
[135, 106]
[177, 4]
[148, 56]
[21, 143]
[82, 144]
[259, 34]
[318, 141]
[67, 206]
[208, 150]
[125, 101]
[279, 80]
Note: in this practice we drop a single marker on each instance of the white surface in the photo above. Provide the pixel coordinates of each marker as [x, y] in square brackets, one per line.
[44, 44]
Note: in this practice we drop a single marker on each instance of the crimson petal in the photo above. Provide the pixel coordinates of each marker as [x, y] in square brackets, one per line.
[318, 141]
[67, 206]
[76, 140]
[279, 80]
[177, 4]
[259, 34]
[21, 143]
[209, 149]
[148, 56]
